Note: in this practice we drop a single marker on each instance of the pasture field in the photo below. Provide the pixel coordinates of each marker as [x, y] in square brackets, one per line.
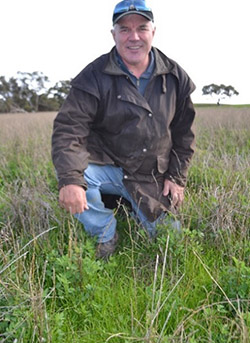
[192, 287]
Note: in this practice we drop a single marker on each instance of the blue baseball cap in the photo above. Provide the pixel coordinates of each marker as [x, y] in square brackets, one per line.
[126, 7]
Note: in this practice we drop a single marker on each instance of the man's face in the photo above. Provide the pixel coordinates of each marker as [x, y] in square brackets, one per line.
[133, 35]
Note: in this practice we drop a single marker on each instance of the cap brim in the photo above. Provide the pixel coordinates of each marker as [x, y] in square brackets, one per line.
[131, 12]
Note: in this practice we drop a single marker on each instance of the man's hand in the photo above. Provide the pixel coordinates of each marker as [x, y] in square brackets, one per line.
[175, 191]
[73, 199]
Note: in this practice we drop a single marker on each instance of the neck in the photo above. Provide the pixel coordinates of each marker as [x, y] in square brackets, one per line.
[138, 69]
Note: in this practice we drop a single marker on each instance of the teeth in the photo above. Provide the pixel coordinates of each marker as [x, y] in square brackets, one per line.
[134, 47]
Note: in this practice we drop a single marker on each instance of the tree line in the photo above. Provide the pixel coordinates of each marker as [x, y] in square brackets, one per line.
[30, 92]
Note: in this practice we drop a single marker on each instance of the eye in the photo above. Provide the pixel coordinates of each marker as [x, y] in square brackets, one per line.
[124, 29]
[143, 28]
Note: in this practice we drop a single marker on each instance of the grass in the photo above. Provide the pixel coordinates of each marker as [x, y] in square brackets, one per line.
[192, 288]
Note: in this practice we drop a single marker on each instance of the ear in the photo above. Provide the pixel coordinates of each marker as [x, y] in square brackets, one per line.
[113, 33]
[154, 31]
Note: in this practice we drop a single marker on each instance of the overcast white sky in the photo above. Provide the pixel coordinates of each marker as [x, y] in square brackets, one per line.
[209, 39]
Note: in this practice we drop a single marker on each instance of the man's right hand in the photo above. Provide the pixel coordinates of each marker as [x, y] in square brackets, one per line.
[73, 199]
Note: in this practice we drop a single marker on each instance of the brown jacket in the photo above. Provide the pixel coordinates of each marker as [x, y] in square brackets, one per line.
[105, 120]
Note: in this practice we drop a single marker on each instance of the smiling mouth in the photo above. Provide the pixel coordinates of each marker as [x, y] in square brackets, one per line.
[134, 47]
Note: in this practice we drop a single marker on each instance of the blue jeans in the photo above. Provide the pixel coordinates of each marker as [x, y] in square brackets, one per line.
[98, 220]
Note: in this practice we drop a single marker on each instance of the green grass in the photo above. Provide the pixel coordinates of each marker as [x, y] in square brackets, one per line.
[192, 288]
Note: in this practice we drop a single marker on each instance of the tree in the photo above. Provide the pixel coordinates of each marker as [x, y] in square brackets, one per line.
[22, 93]
[10, 95]
[29, 92]
[59, 91]
[221, 91]
[33, 85]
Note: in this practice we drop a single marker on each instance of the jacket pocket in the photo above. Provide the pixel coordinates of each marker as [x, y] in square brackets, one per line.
[162, 163]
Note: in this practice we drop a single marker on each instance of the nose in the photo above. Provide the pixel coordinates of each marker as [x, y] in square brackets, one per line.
[134, 35]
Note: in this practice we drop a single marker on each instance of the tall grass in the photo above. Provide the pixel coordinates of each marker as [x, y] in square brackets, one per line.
[191, 287]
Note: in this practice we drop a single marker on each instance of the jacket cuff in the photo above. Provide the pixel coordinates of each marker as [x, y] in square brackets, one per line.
[181, 181]
[72, 181]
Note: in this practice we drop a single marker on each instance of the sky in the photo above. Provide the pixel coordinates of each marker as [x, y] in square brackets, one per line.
[209, 39]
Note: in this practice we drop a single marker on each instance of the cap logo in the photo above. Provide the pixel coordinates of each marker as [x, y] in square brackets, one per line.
[132, 7]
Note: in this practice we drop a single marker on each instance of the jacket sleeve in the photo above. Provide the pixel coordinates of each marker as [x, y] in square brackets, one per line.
[182, 137]
[69, 138]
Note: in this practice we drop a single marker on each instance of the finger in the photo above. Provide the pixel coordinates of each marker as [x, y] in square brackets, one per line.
[75, 208]
[175, 199]
[78, 207]
[85, 203]
[73, 199]
[179, 199]
[166, 189]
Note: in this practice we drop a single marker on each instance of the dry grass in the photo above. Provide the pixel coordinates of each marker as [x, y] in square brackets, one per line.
[22, 128]
[226, 117]
[25, 135]
[24, 124]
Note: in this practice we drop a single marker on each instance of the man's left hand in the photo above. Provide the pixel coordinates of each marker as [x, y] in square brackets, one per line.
[175, 191]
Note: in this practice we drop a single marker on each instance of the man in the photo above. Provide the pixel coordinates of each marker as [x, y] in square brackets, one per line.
[125, 130]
